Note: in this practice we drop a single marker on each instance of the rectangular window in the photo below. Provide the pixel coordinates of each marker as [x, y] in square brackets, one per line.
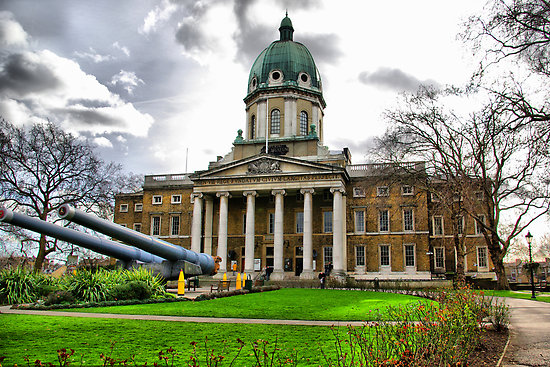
[360, 255]
[384, 255]
[327, 222]
[407, 190]
[327, 255]
[300, 222]
[479, 227]
[327, 195]
[137, 227]
[155, 226]
[482, 257]
[358, 192]
[138, 207]
[438, 226]
[271, 224]
[175, 226]
[176, 199]
[382, 191]
[434, 197]
[157, 199]
[410, 256]
[460, 225]
[408, 220]
[124, 208]
[439, 257]
[384, 220]
[360, 221]
[299, 197]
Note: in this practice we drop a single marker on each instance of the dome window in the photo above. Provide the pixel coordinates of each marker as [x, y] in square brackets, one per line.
[276, 76]
[303, 123]
[275, 125]
[304, 80]
[253, 83]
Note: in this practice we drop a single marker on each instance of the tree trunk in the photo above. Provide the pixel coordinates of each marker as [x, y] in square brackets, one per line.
[39, 262]
[502, 281]
[460, 277]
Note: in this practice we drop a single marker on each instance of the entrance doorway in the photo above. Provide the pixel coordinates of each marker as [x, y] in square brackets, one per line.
[299, 260]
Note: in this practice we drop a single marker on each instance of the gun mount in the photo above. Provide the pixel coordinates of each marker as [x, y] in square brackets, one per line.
[126, 254]
[178, 257]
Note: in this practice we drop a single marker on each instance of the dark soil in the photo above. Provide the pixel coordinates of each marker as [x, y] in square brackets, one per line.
[489, 350]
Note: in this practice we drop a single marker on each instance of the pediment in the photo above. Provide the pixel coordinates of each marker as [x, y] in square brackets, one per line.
[265, 164]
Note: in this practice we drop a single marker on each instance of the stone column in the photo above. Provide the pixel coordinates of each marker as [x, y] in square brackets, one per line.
[208, 218]
[250, 231]
[308, 272]
[196, 228]
[344, 233]
[278, 271]
[337, 245]
[222, 230]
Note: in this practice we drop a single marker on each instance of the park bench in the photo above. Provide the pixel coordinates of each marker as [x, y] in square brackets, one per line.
[220, 286]
[192, 282]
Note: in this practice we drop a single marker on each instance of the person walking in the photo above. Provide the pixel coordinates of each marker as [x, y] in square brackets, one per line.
[322, 279]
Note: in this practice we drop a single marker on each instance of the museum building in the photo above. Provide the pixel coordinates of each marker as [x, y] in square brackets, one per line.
[282, 200]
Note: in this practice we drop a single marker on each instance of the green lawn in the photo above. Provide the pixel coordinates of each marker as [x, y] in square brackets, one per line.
[39, 337]
[290, 303]
[541, 296]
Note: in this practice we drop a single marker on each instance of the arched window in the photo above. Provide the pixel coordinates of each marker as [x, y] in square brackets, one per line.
[303, 123]
[253, 127]
[275, 121]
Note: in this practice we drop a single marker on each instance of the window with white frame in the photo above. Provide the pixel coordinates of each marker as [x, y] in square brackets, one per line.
[384, 220]
[478, 195]
[460, 225]
[358, 192]
[435, 197]
[155, 226]
[410, 255]
[303, 123]
[138, 207]
[275, 126]
[327, 222]
[175, 225]
[479, 227]
[124, 208]
[439, 257]
[360, 221]
[327, 255]
[437, 225]
[123, 225]
[300, 222]
[176, 199]
[382, 191]
[253, 127]
[482, 261]
[385, 257]
[137, 227]
[360, 255]
[271, 224]
[157, 199]
[408, 219]
[407, 190]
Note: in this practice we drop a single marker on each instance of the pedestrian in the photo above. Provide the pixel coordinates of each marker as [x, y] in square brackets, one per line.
[322, 279]
[234, 267]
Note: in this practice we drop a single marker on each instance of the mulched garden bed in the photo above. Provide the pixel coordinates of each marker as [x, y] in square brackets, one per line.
[490, 349]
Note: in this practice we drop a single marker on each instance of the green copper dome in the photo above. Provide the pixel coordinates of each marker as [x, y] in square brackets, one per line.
[284, 63]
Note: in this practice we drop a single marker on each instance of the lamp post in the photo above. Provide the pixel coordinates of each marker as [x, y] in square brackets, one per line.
[529, 237]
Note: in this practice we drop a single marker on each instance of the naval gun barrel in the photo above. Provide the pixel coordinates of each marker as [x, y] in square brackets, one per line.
[100, 245]
[207, 263]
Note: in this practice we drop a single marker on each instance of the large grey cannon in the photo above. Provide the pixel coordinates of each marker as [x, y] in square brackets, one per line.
[126, 254]
[178, 257]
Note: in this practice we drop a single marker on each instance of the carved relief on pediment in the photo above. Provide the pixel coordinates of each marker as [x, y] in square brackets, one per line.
[264, 165]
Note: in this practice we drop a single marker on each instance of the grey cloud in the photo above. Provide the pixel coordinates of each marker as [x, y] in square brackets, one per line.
[291, 5]
[21, 74]
[90, 117]
[191, 37]
[394, 79]
[88, 103]
[323, 47]
[358, 148]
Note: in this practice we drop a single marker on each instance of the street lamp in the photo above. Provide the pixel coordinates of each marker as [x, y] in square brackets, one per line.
[529, 237]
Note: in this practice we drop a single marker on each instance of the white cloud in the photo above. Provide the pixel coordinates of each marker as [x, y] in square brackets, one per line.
[127, 79]
[103, 142]
[124, 49]
[93, 55]
[11, 32]
[159, 14]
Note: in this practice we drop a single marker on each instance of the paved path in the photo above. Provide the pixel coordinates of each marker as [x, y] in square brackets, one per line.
[530, 334]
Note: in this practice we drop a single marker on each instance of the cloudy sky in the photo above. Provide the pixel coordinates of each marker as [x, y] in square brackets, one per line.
[149, 80]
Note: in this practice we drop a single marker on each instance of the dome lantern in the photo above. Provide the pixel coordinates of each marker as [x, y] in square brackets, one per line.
[286, 30]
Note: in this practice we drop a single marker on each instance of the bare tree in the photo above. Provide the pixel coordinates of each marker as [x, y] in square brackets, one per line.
[490, 151]
[43, 167]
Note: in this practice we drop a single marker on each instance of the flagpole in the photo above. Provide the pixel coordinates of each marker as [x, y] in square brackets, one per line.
[266, 125]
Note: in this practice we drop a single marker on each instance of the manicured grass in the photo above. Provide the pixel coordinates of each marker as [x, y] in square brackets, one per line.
[39, 337]
[541, 296]
[290, 303]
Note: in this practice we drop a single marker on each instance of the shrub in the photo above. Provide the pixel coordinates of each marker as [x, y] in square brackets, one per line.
[90, 287]
[156, 283]
[17, 286]
[58, 297]
[499, 315]
[135, 289]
